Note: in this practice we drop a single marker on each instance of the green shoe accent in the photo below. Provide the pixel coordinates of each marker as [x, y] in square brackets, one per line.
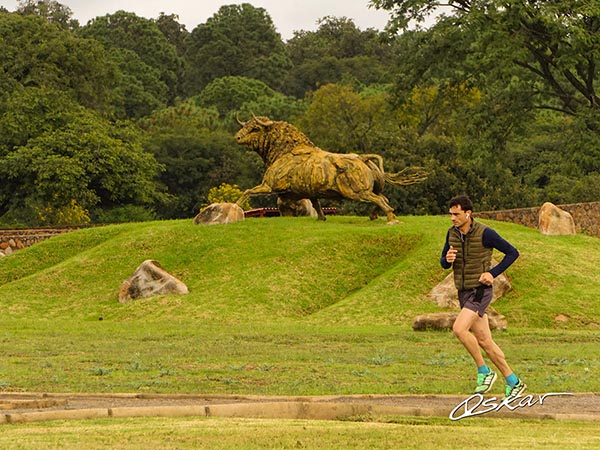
[485, 382]
[511, 392]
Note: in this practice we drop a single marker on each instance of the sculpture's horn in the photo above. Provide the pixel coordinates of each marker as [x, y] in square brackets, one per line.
[264, 123]
[237, 117]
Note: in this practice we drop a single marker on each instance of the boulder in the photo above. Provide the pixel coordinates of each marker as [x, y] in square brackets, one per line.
[445, 320]
[446, 295]
[295, 208]
[497, 320]
[150, 279]
[554, 221]
[434, 321]
[219, 213]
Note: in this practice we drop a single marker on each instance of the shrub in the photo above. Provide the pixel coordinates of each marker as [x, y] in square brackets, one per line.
[227, 193]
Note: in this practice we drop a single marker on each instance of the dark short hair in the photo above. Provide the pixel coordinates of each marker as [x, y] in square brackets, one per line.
[461, 200]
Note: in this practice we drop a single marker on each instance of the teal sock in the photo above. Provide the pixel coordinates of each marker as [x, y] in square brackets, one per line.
[483, 369]
[512, 380]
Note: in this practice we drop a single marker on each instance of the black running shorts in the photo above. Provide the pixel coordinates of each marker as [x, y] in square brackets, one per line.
[477, 299]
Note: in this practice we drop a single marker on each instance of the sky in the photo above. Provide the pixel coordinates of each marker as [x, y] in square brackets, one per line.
[287, 15]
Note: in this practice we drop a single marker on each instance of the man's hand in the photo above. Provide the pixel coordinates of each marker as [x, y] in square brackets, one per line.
[451, 255]
[486, 278]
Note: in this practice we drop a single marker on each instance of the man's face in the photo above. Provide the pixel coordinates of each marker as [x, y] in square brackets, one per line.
[458, 216]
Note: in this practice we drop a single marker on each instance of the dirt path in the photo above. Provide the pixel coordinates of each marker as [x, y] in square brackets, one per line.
[31, 407]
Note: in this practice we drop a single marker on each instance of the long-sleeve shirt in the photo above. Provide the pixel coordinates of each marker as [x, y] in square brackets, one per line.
[490, 239]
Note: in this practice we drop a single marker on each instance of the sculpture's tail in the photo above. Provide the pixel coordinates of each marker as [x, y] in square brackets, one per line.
[407, 176]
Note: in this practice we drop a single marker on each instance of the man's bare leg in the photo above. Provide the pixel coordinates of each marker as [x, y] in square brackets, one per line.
[483, 335]
[462, 330]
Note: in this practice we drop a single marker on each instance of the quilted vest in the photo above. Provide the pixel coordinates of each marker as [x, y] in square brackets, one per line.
[472, 258]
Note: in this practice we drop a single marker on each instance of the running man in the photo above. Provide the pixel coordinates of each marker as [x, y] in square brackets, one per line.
[468, 250]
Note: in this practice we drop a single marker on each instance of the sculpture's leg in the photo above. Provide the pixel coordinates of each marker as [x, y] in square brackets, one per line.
[373, 215]
[261, 189]
[382, 203]
[317, 205]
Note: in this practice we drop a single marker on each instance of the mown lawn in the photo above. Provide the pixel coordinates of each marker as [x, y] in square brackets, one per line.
[287, 306]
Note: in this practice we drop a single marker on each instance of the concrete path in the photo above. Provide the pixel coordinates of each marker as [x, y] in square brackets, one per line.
[35, 407]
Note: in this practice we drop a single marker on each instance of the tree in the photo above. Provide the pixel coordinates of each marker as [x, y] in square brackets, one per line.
[523, 59]
[233, 96]
[229, 93]
[556, 43]
[69, 158]
[337, 50]
[139, 90]
[342, 120]
[36, 53]
[51, 10]
[123, 30]
[175, 32]
[197, 153]
[239, 40]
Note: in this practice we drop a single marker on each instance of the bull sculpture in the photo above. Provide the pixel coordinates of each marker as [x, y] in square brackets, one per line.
[297, 169]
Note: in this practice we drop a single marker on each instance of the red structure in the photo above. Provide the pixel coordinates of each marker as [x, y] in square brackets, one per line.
[274, 212]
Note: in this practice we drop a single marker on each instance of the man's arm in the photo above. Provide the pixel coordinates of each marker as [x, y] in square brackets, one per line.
[445, 264]
[491, 239]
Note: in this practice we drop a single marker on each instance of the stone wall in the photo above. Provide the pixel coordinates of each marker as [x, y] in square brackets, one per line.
[16, 239]
[585, 215]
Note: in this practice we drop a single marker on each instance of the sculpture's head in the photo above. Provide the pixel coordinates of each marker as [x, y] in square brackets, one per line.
[269, 138]
[253, 130]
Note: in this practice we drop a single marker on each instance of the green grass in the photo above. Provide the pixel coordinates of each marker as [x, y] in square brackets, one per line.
[286, 306]
[283, 306]
[246, 434]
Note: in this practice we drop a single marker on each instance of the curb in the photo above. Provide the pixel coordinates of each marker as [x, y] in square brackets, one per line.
[252, 406]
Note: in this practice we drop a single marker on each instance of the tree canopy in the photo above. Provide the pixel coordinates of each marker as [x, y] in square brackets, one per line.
[238, 40]
[132, 117]
[123, 30]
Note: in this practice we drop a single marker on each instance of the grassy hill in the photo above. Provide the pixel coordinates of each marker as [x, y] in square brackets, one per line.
[284, 306]
[348, 270]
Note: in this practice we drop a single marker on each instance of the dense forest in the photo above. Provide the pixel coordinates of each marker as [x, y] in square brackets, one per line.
[129, 118]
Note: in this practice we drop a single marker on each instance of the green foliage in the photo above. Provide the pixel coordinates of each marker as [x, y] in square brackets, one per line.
[51, 10]
[140, 89]
[339, 119]
[229, 93]
[227, 193]
[39, 54]
[70, 214]
[234, 96]
[175, 32]
[78, 157]
[123, 30]
[197, 154]
[337, 50]
[239, 40]
[123, 214]
[498, 101]
[554, 44]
